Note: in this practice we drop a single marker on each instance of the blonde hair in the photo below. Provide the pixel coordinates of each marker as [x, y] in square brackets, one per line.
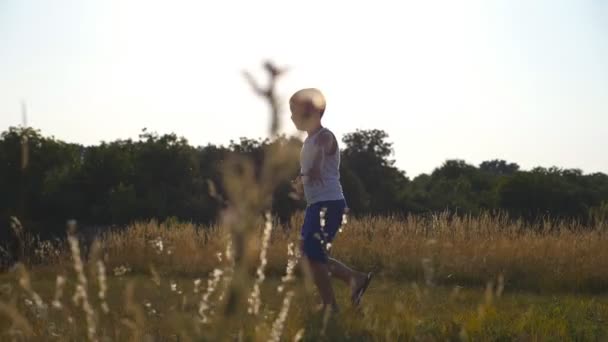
[313, 98]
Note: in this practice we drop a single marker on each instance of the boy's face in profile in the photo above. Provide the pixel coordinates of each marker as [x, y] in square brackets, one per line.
[302, 116]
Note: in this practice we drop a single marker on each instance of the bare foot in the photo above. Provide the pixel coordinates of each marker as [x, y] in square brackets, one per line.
[358, 287]
[320, 308]
[356, 283]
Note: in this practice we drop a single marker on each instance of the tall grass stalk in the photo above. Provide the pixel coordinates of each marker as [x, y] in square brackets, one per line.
[81, 294]
[254, 297]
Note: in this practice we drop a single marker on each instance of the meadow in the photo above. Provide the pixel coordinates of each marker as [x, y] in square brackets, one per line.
[438, 278]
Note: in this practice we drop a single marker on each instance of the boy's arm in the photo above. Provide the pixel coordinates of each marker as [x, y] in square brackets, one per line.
[326, 144]
[327, 141]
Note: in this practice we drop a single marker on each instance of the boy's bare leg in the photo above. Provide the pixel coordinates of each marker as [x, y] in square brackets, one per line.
[351, 277]
[320, 273]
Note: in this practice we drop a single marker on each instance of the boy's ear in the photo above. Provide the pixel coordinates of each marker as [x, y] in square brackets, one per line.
[310, 109]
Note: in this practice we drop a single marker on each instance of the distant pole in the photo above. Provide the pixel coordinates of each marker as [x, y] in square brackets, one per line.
[23, 114]
[24, 136]
[24, 161]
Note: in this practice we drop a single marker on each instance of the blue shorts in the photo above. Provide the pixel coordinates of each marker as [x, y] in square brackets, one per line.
[313, 238]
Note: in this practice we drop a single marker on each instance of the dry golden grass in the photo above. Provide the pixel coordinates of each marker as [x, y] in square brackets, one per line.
[438, 278]
[438, 250]
[472, 251]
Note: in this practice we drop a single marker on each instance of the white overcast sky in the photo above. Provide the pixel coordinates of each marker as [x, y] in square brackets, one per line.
[525, 81]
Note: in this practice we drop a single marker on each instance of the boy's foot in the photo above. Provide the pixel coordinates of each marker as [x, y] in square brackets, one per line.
[359, 287]
[320, 308]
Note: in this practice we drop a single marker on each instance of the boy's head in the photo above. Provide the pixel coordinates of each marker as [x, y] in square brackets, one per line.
[307, 108]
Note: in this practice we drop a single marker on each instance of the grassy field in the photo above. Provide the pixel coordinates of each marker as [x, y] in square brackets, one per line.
[391, 311]
[438, 278]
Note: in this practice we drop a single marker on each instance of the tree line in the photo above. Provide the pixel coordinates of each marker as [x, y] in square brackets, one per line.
[45, 181]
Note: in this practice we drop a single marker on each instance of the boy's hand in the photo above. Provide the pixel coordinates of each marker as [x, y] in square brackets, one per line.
[297, 185]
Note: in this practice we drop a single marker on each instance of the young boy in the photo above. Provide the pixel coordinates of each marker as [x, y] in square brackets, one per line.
[320, 181]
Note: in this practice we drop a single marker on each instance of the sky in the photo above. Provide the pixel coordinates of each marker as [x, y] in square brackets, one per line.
[525, 81]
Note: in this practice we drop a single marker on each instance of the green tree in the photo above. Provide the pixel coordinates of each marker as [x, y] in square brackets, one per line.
[499, 167]
[374, 177]
[36, 176]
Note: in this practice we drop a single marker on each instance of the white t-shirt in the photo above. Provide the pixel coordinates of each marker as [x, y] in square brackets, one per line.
[331, 189]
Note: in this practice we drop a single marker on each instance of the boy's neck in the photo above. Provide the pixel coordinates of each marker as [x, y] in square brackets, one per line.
[314, 130]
